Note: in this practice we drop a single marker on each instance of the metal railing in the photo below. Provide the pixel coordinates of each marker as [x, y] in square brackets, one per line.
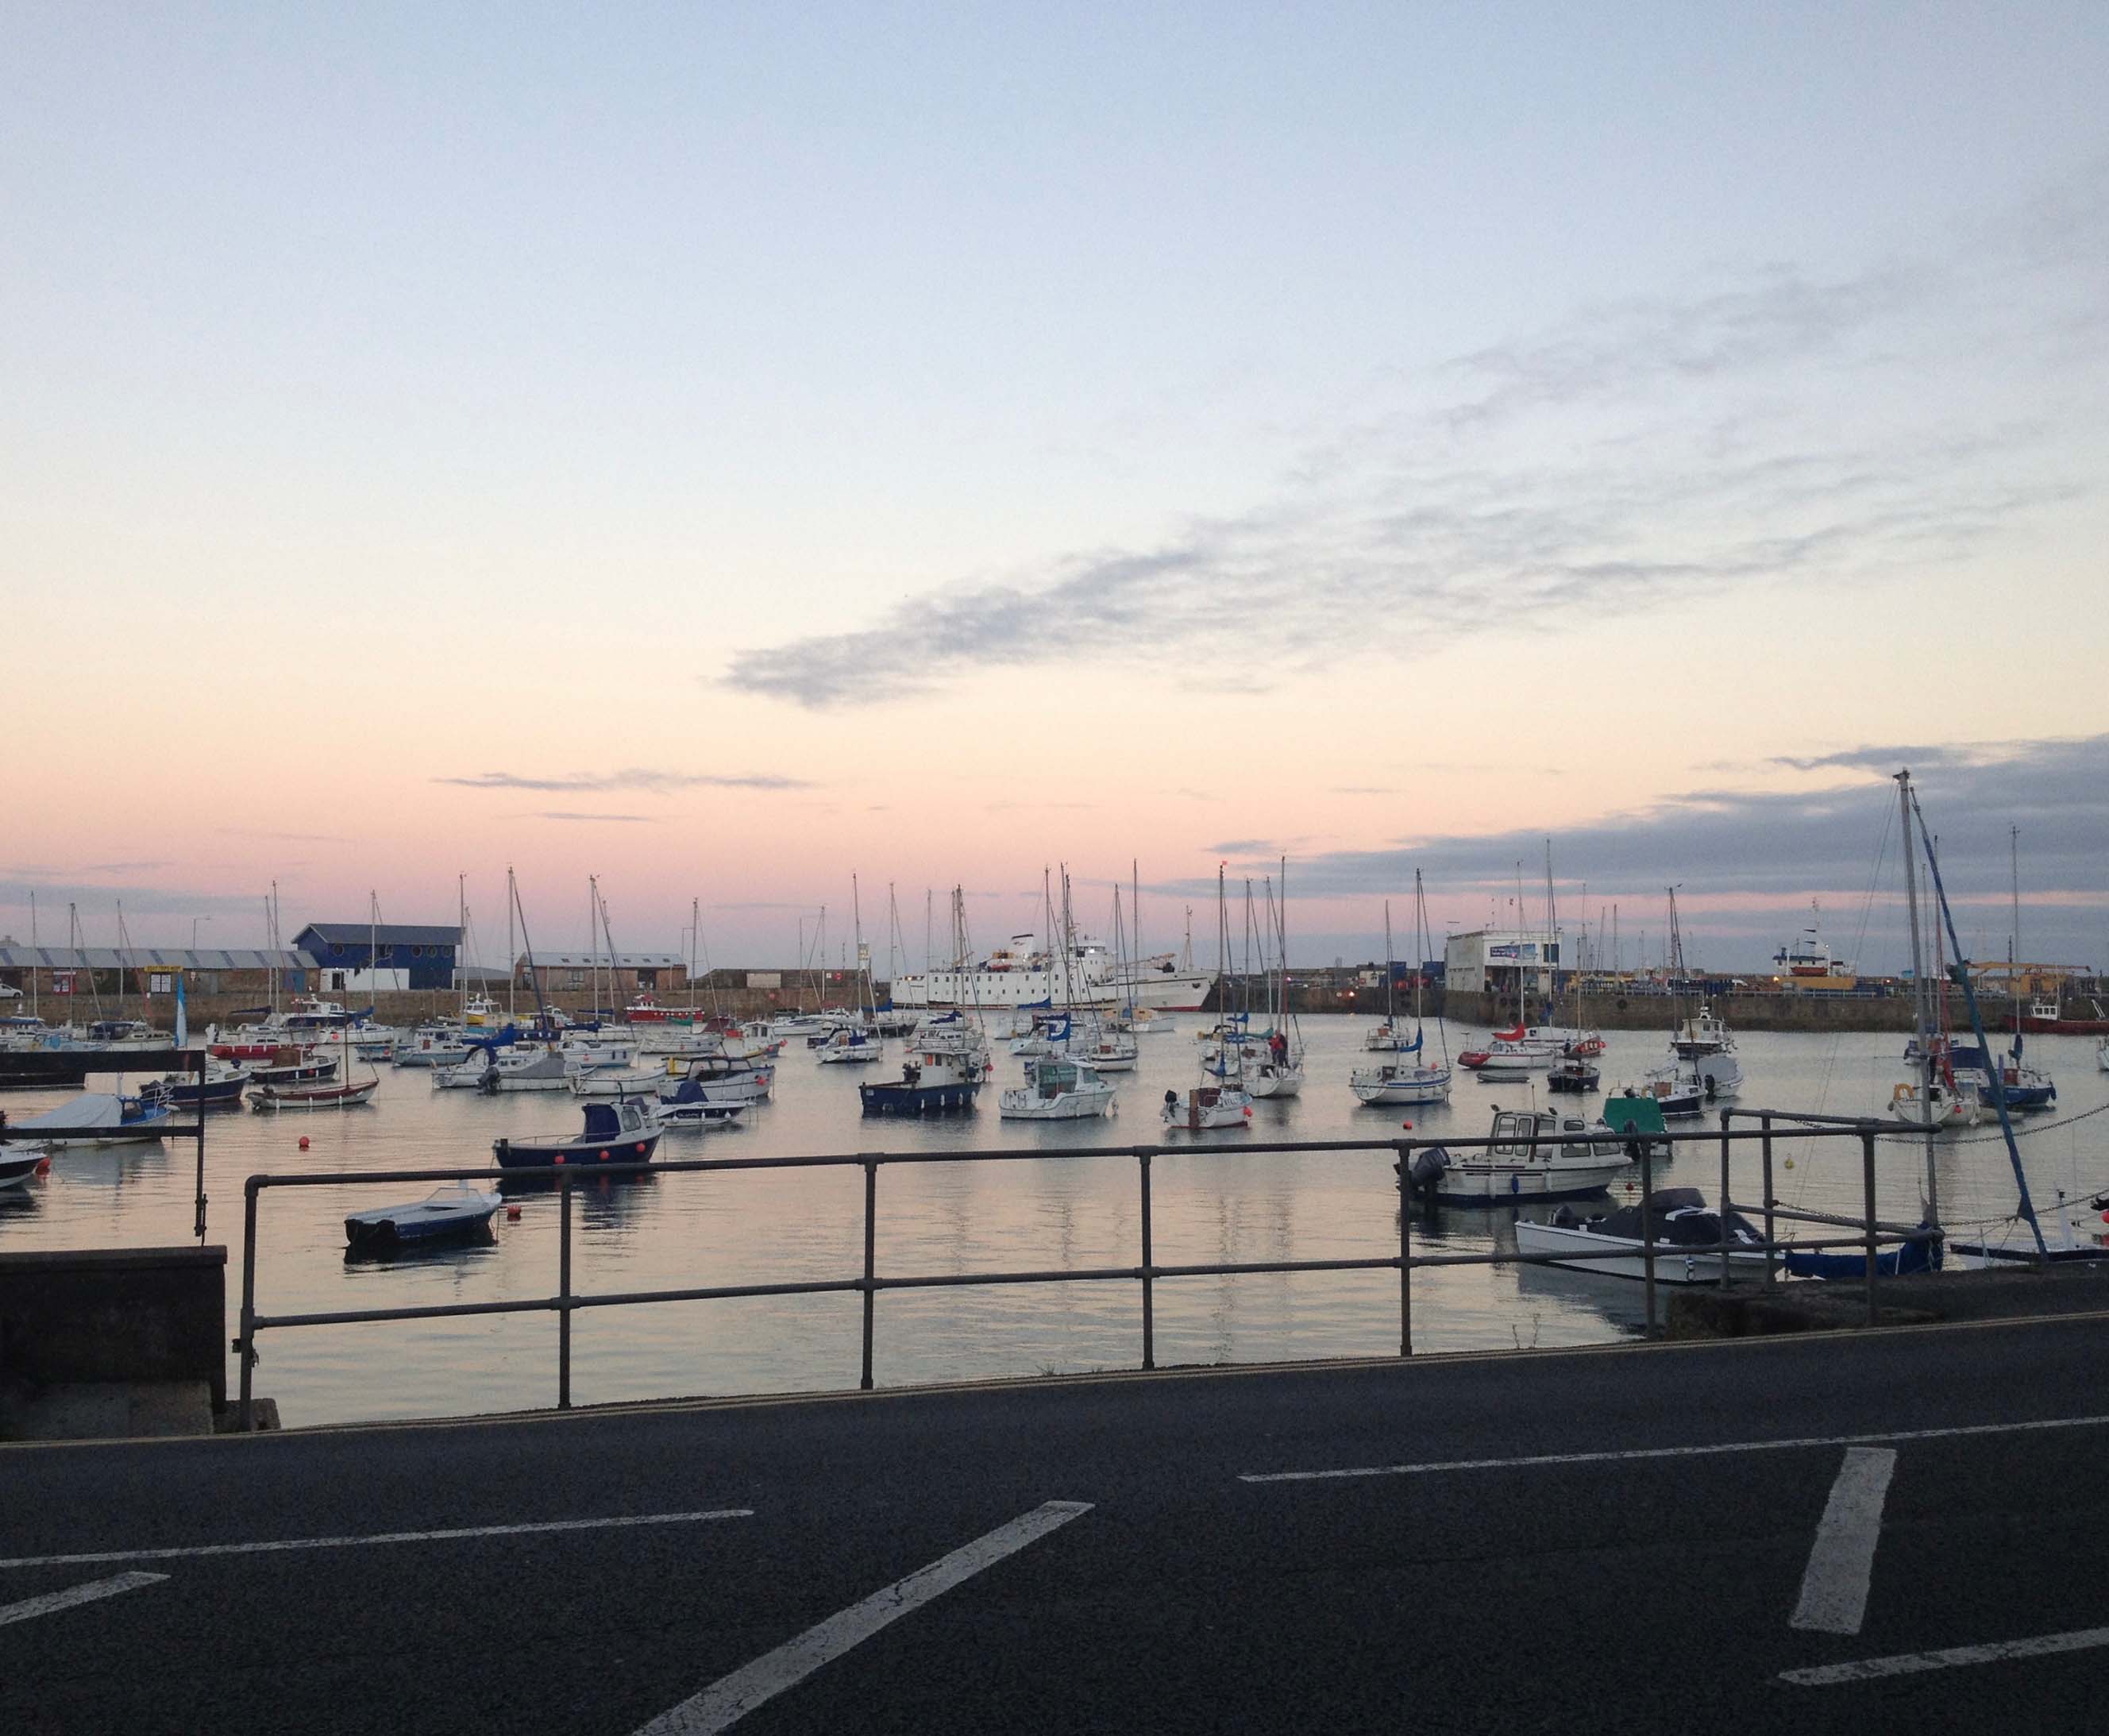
[564, 1180]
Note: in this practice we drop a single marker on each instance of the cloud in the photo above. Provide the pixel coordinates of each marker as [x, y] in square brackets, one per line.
[1760, 855]
[625, 819]
[1668, 446]
[657, 783]
[296, 838]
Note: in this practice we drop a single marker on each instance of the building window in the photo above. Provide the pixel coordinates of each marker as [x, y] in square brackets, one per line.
[578, 979]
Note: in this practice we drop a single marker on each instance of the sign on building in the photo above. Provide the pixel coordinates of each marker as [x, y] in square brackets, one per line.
[764, 979]
[161, 982]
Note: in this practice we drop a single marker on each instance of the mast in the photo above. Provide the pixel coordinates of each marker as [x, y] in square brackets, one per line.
[2014, 935]
[512, 964]
[1919, 1023]
[1391, 975]
[857, 934]
[695, 933]
[461, 948]
[33, 1013]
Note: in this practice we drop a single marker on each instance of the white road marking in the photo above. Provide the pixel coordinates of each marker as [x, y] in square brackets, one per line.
[274, 1546]
[732, 1698]
[29, 1608]
[1436, 1466]
[1911, 1663]
[1834, 1587]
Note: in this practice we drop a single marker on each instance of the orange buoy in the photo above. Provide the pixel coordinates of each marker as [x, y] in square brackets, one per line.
[512, 1215]
[304, 1141]
[557, 1158]
[603, 1157]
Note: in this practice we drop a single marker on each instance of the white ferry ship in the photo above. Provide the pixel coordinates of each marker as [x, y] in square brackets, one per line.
[1024, 975]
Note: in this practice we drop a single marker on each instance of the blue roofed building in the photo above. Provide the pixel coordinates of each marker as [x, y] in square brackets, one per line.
[360, 957]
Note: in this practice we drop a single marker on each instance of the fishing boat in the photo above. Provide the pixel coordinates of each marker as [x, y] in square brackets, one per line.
[1575, 1076]
[692, 1110]
[94, 1118]
[291, 1064]
[480, 1013]
[224, 1083]
[1535, 1155]
[1406, 1079]
[1614, 1243]
[322, 1094]
[311, 1013]
[453, 1213]
[621, 1133]
[1704, 1032]
[1678, 1089]
[1810, 960]
[645, 1009]
[1056, 1089]
[932, 1082]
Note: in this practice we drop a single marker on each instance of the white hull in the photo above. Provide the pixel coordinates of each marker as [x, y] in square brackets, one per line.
[1387, 1085]
[1556, 1179]
[1159, 993]
[1208, 1108]
[1671, 1265]
[1276, 1082]
[1024, 1105]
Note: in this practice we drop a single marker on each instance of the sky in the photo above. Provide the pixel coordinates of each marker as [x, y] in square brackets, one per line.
[727, 449]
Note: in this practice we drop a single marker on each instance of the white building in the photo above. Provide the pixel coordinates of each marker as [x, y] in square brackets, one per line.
[1495, 959]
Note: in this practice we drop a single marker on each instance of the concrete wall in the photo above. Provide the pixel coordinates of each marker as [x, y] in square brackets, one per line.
[115, 1314]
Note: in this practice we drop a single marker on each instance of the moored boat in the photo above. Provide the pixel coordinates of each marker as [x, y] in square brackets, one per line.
[932, 1082]
[625, 1132]
[1535, 1155]
[94, 1118]
[1056, 1090]
[322, 1094]
[455, 1212]
[1614, 1243]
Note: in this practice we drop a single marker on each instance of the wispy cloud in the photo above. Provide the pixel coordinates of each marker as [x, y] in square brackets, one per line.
[1666, 446]
[615, 818]
[635, 777]
[295, 838]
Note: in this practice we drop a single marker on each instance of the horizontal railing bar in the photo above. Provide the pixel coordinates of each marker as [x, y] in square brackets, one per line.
[857, 1160]
[1664, 1251]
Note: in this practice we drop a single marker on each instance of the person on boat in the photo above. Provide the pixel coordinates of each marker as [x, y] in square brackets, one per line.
[1278, 1047]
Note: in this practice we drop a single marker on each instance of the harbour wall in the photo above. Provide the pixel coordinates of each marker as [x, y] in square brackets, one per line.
[1744, 1012]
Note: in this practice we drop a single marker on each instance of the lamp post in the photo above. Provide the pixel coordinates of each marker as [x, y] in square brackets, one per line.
[194, 921]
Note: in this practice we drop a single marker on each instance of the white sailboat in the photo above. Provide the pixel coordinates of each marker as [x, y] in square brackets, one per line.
[1406, 1078]
[1219, 1101]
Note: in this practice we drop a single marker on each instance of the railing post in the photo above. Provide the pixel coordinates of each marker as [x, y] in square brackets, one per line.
[203, 1054]
[1405, 1252]
[1867, 1186]
[564, 1293]
[246, 1344]
[1771, 1222]
[1725, 1197]
[1149, 1267]
[870, 1261]
[1647, 1229]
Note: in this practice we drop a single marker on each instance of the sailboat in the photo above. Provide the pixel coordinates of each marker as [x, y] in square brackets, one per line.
[1276, 1061]
[852, 1042]
[1401, 1080]
[1220, 1100]
[2025, 1087]
[1933, 1097]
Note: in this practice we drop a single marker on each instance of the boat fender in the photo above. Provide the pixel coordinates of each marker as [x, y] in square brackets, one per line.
[557, 1158]
[603, 1156]
[640, 1145]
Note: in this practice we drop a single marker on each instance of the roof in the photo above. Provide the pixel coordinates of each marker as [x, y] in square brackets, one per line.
[144, 958]
[599, 960]
[386, 933]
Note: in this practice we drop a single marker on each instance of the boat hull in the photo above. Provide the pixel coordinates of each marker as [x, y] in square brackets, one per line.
[542, 1154]
[896, 1099]
[1620, 1258]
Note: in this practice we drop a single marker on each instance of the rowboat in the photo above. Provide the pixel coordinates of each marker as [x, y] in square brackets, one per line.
[456, 1212]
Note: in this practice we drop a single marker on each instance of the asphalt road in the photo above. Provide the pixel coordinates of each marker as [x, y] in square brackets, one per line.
[1581, 1592]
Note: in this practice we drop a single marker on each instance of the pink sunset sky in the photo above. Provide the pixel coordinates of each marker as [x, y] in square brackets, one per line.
[724, 454]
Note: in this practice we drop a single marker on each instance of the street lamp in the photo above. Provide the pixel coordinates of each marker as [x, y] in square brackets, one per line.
[194, 921]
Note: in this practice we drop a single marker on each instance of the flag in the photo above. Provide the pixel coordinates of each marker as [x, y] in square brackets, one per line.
[183, 1018]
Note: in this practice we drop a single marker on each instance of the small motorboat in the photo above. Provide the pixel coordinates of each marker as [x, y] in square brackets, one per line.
[288, 1064]
[1574, 1075]
[526, 1070]
[932, 1082]
[617, 1081]
[622, 1131]
[691, 1108]
[1680, 1218]
[18, 1163]
[322, 1094]
[224, 1082]
[456, 1212]
[94, 1118]
[848, 1045]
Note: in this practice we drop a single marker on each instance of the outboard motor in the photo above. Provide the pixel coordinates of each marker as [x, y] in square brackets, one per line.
[1428, 1167]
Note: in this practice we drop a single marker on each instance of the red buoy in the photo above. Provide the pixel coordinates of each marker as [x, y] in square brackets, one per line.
[640, 1145]
[304, 1141]
[557, 1158]
[512, 1215]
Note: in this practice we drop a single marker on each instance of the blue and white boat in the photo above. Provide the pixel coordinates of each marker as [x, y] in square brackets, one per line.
[18, 1163]
[456, 1212]
[623, 1131]
[934, 1081]
[691, 1106]
[2025, 1087]
[94, 1118]
[224, 1082]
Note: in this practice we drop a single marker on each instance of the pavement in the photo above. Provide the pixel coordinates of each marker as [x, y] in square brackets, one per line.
[1864, 1531]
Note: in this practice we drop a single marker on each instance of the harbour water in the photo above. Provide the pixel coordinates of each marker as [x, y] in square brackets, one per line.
[1212, 1202]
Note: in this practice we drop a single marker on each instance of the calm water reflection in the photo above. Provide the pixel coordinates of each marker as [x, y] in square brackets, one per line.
[1216, 1203]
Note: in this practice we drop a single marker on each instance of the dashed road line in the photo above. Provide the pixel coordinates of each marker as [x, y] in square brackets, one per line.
[1834, 1587]
[29, 1608]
